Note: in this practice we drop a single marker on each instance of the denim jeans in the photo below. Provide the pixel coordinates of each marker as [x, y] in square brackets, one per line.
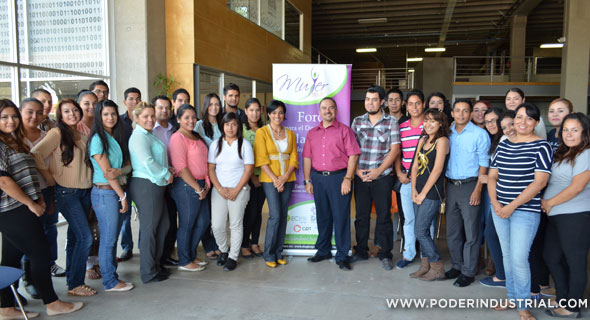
[126, 235]
[49, 224]
[190, 210]
[276, 226]
[491, 237]
[74, 205]
[516, 235]
[106, 206]
[425, 215]
[409, 220]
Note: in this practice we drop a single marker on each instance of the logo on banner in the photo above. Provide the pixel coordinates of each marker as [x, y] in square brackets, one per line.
[307, 84]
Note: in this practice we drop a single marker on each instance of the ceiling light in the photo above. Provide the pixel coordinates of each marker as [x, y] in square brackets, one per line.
[364, 50]
[411, 70]
[551, 45]
[414, 59]
[435, 49]
[372, 20]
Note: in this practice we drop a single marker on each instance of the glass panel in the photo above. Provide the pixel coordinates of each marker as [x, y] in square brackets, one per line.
[246, 8]
[4, 31]
[63, 34]
[264, 94]
[208, 83]
[271, 17]
[5, 83]
[60, 85]
[292, 25]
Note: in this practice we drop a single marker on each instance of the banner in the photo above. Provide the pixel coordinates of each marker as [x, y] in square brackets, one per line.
[301, 87]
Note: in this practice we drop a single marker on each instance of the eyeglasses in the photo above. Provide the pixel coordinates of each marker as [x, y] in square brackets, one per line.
[490, 121]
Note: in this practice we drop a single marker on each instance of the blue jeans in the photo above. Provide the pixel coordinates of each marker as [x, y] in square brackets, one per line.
[409, 220]
[190, 209]
[106, 206]
[125, 227]
[516, 235]
[74, 205]
[425, 215]
[491, 237]
[276, 227]
[49, 224]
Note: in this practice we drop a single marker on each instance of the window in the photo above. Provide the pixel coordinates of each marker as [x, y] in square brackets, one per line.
[62, 46]
[278, 17]
[293, 21]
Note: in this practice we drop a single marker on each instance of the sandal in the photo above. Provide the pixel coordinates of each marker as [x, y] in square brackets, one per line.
[212, 255]
[82, 291]
[256, 250]
[93, 274]
[526, 315]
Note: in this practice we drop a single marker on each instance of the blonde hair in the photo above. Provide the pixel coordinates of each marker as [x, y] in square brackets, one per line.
[139, 109]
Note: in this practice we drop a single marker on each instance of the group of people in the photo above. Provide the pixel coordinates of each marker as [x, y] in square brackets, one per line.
[491, 171]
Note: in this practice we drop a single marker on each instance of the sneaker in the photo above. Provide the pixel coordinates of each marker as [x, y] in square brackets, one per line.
[230, 264]
[403, 263]
[387, 264]
[57, 271]
[489, 282]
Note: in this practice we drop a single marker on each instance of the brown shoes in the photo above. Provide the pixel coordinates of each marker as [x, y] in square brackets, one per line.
[424, 268]
[436, 272]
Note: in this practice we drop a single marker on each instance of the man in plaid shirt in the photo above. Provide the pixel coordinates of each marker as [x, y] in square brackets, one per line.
[378, 136]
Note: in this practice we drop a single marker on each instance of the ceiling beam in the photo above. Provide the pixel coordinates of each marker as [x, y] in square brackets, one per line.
[446, 22]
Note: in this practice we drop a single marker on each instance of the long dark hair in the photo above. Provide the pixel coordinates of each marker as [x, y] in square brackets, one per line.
[248, 104]
[67, 143]
[207, 126]
[446, 104]
[16, 140]
[227, 118]
[183, 108]
[440, 117]
[98, 128]
[569, 154]
[495, 138]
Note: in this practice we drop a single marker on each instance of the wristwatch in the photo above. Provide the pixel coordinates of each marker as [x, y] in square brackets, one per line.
[348, 178]
[305, 182]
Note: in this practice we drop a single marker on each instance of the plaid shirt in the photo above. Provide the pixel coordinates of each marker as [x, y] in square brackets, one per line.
[375, 141]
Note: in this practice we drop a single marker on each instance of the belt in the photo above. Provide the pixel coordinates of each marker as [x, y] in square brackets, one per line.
[329, 173]
[461, 181]
[106, 186]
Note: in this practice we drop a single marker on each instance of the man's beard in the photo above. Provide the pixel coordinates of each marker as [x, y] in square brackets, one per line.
[374, 112]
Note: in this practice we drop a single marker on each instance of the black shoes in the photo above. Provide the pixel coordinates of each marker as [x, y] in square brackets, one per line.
[452, 274]
[463, 281]
[222, 259]
[344, 265]
[356, 257]
[230, 264]
[159, 277]
[169, 262]
[165, 271]
[318, 258]
[126, 255]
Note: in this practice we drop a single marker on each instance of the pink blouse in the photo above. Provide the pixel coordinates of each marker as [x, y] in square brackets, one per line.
[188, 153]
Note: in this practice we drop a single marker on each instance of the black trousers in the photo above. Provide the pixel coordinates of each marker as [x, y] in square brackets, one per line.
[253, 216]
[539, 270]
[566, 249]
[365, 193]
[22, 233]
[170, 239]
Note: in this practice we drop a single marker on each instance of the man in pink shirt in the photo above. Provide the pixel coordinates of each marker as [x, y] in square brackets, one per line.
[330, 154]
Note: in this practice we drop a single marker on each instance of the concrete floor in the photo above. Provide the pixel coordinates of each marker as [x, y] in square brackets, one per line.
[299, 290]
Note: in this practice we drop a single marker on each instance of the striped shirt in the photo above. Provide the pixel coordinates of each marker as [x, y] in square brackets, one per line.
[375, 141]
[516, 164]
[409, 137]
[20, 167]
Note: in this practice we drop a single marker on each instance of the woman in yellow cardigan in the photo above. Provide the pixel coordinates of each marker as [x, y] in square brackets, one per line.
[275, 151]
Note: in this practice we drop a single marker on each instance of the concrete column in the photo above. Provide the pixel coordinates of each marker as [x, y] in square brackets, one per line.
[139, 47]
[517, 46]
[576, 53]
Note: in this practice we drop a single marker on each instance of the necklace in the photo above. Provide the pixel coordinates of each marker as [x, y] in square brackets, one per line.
[278, 133]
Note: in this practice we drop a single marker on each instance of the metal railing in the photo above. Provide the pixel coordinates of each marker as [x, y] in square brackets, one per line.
[402, 78]
[506, 68]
